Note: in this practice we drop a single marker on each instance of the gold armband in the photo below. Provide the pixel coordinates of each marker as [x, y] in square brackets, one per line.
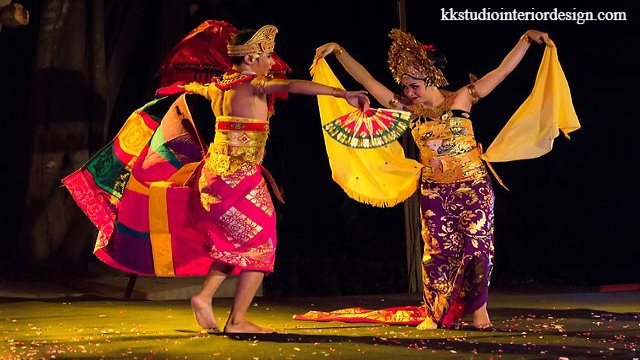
[472, 91]
[339, 50]
[394, 101]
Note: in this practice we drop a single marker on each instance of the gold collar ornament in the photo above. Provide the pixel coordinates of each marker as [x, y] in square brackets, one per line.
[408, 57]
[263, 41]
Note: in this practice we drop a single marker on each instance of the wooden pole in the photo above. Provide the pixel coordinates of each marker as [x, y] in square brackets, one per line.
[402, 15]
[412, 223]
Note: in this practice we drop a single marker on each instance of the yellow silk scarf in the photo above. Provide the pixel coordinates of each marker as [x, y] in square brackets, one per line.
[538, 121]
[381, 176]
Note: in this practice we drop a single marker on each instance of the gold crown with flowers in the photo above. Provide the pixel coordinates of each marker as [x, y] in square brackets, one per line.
[263, 41]
[408, 57]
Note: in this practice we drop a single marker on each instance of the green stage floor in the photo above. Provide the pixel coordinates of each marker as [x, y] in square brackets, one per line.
[528, 325]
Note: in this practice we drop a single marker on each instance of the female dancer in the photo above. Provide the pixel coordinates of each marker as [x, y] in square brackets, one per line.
[456, 194]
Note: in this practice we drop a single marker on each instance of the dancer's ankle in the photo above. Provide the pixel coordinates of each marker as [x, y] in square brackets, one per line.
[236, 320]
[202, 297]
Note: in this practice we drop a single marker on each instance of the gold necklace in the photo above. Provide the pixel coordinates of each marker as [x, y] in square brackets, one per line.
[434, 113]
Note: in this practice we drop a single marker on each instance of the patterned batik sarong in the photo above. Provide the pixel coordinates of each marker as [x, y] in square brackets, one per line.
[238, 213]
[162, 208]
[456, 205]
[457, 229]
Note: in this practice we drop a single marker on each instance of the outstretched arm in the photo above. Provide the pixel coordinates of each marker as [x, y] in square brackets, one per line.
[487, 83]
[356, 99]
[358, 72]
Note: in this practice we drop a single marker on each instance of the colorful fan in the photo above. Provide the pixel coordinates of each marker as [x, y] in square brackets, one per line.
[371, 129]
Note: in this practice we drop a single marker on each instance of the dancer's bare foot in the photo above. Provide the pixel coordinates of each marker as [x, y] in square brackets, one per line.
[203, 312]
[245, 327]
[427, 324]
[481, 319]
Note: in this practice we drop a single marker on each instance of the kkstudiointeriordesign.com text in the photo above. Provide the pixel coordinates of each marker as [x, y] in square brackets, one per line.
[486, 14]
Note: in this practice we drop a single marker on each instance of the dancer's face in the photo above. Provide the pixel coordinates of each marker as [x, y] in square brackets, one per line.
[262, 64]
[414, 89]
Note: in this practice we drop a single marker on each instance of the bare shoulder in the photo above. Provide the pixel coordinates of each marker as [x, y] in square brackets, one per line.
[245, 88]
[461, 99]
[258, 84]
[460, 92]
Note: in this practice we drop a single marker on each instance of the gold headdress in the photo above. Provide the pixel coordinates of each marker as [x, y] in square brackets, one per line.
[263, 41]
[408, 57]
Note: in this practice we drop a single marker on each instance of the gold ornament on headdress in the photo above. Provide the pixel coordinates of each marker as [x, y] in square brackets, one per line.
[263, 41]
[407, 57]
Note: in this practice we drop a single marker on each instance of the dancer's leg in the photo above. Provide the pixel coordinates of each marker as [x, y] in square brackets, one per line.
[248, 283]
[481, 318]
[201, 303]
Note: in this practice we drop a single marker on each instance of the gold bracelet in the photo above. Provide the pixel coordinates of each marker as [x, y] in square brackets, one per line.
[393, 102]
[526, 38]
[339, 93]
[339, 50]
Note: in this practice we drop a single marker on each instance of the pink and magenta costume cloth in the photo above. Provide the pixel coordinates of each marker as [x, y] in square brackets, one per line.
[164, 202]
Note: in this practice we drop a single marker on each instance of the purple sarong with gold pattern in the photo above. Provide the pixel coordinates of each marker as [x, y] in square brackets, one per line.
[456, 206]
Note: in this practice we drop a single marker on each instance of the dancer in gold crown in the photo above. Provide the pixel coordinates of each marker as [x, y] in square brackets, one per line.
[167, 202]
[456, 194]
[238, 212]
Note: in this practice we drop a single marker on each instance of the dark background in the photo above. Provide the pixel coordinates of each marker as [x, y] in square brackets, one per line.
[570, 217]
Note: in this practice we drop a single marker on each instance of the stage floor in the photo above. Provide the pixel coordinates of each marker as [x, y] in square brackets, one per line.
[528, 325]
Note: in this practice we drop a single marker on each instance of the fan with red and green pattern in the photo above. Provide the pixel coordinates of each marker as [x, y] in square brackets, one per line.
[370, 129]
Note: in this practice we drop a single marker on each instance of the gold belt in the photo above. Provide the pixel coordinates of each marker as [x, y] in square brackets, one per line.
[453, 168]
[232, 149]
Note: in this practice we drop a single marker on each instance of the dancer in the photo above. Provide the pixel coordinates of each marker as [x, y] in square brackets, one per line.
[180, 214]
[239, 102]
[456, 195]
